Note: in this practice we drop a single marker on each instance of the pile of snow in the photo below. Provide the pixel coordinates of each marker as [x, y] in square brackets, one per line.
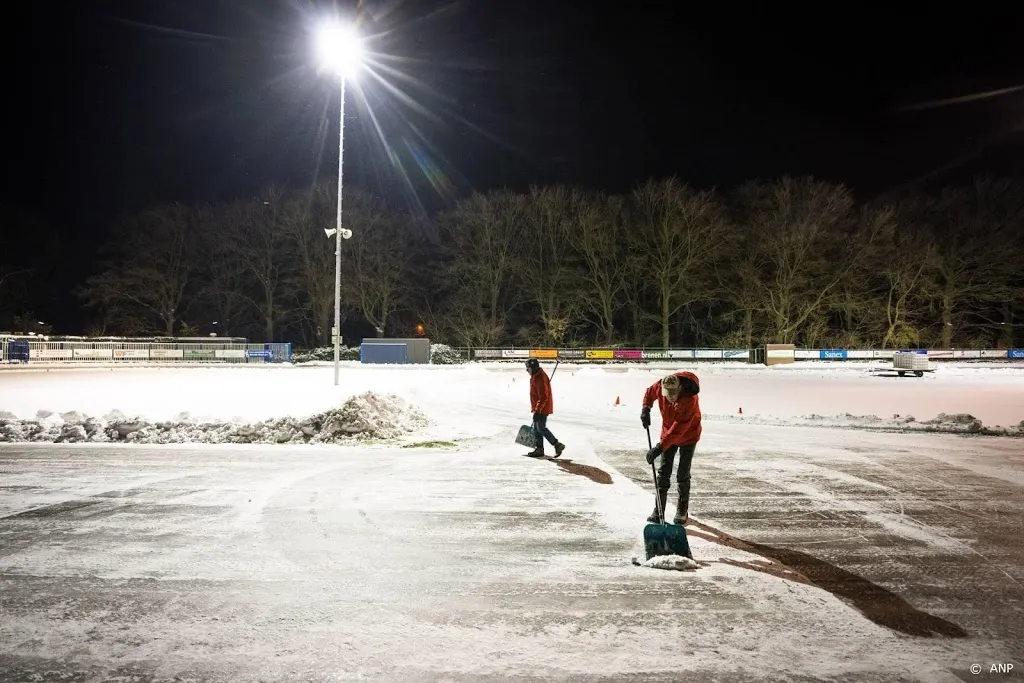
[442, 354]
[676, 562]
[368, 416]
[959, 423]
[325, 353]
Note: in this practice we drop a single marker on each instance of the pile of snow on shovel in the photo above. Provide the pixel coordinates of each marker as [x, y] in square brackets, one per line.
[366, 417]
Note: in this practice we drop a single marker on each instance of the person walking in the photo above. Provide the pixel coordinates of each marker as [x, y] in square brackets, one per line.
[542, 404]
[676, 396]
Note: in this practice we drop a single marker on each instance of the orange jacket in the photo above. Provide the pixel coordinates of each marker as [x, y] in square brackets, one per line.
[680, 421]
[541, 400]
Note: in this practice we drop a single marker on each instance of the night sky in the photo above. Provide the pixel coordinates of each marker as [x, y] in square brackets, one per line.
[112, 105]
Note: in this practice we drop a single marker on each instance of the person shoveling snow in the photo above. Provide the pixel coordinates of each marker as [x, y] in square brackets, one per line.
[676, 396]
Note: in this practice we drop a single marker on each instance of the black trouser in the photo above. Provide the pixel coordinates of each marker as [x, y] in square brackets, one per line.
[541, 432]
[682, 474]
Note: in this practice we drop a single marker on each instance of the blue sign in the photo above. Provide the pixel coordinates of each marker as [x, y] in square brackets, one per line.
[1016, 353]
[832, 354]
[257, 353]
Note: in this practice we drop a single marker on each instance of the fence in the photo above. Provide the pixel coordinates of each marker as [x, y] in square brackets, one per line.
[133, 351]
[737, 355]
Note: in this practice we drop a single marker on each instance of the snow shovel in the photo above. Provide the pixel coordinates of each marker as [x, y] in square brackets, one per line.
[662, 538]
[526, 435]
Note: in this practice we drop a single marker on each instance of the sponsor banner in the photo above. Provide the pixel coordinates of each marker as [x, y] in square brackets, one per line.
[883, 353]
[806, 354]
[570, 353]
[166, 354]
[94, 353]
[967, 353]
[736, 353]
[860, 354]
[939, 353]
[131, 353]
[514, 353]
[627, 354]
[671, 354]
[257, 353]
[710, 353]
[487, 353]
[993, 353]
[229, 353]
[201, 354]
[832, 354]
[543, 353]
[599, 354]
[50, 354]
[1016, 354]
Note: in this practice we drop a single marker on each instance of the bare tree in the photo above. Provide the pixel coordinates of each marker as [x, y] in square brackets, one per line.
[483, 236]
[549, 270]
[152, 267]
[220, 267]
[678, 232]
[803, 232]
[313, 212]
[974, 229]
[376, 258]
[266, 252]
[598, 234]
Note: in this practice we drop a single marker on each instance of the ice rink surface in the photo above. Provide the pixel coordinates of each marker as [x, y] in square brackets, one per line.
[827, 553]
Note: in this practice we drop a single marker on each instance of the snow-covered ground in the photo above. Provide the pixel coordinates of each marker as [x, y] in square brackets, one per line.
[826, 553]
[955, 398]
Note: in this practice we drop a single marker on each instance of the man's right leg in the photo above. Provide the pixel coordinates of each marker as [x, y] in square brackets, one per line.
[683, 483]
[663, 479]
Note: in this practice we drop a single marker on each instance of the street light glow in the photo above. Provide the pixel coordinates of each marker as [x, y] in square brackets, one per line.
[339, 48]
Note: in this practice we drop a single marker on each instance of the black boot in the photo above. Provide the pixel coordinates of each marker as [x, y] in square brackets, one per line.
[663, 498]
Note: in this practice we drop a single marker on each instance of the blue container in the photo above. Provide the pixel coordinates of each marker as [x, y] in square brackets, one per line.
[370, 352]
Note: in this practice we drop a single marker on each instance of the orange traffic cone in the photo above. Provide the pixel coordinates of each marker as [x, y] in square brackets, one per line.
[741, 410]
[616, 400]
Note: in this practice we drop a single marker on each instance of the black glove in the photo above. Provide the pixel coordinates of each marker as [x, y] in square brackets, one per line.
[535, 416]
[645, 417]
[653, 454]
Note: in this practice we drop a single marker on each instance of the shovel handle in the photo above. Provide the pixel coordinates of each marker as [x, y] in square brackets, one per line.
[654, 474]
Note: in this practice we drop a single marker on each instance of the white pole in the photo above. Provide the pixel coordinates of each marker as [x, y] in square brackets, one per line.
[337, 241]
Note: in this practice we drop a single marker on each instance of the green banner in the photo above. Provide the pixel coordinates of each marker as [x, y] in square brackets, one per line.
[199, 354]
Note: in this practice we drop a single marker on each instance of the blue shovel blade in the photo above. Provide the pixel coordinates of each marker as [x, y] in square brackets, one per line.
[525, 437]
[666, 539]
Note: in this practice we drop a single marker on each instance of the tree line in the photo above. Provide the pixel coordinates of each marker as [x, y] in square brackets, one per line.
[793, 260]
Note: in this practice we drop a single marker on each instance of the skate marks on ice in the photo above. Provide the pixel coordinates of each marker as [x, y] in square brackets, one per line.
[594, 474]
[878, 604]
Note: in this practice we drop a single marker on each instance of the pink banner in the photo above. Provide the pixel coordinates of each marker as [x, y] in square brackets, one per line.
[628, 354]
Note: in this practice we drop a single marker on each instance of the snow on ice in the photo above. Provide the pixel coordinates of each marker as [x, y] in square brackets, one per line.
[284, 404]
[676, 562]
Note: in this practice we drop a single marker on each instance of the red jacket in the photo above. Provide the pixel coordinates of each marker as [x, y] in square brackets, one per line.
[541, 400]
[680, 421]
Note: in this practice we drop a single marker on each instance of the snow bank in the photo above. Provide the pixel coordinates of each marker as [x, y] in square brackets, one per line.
[368, 416]
[959, 423]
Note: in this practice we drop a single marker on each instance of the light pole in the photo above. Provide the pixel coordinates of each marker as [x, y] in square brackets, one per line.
[340, 50]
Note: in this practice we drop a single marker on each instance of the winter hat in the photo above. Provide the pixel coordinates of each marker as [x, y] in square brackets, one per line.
[670, 386]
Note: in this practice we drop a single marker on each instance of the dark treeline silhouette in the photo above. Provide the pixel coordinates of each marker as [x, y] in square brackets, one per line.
[795, 260]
